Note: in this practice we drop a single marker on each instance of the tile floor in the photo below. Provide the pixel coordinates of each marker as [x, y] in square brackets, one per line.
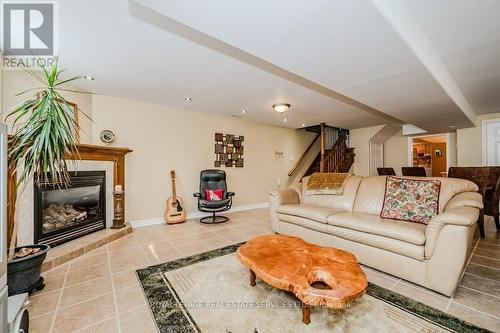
[99, 291]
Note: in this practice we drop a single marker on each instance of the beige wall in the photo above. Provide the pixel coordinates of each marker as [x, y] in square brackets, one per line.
[16, 81]
[453, 150]
[466, 147]
[165, 139]
[469, 142]
[359, 139]
[396, 152]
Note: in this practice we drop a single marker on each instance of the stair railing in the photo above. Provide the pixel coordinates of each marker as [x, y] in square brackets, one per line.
[334, 158]
[296, 165]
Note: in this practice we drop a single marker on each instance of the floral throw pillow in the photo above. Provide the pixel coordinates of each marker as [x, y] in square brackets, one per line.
[413, 200]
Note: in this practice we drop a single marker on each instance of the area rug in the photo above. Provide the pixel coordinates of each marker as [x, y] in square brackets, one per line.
[210, 293]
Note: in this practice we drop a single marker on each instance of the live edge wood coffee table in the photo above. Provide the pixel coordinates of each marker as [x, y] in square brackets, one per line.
[317, 276]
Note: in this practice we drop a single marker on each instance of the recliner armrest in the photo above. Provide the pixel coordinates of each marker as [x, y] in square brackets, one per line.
[230, 194]
[197, 195]
[285, 197]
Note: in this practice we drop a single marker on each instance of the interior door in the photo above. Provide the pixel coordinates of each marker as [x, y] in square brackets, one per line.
[438, 159]
[491, 142]
[376, 156]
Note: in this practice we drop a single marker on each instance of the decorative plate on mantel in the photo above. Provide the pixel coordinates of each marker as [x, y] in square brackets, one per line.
[107, 136]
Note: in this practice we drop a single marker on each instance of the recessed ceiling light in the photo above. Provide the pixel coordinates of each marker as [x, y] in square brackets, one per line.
[90, 78]
[188, 99]
[303, 125]
[285, 120]
[282, 107]
[243, 111]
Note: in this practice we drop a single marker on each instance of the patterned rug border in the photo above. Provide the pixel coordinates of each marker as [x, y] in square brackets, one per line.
[171, 316]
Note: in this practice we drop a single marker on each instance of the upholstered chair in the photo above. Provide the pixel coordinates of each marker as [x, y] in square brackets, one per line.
[492, 195]
[213, 180]
[386, 172]
[479, 176]
[414, 171]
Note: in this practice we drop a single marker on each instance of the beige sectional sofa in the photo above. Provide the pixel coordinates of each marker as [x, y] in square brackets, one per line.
[432, 255]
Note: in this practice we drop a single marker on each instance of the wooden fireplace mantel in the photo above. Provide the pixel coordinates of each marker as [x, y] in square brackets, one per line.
[85, 152]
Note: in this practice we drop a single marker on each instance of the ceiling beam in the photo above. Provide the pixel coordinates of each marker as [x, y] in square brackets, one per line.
[418, 42]
[151, 16]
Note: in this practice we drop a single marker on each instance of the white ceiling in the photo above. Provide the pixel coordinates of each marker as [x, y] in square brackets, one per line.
[346, 46]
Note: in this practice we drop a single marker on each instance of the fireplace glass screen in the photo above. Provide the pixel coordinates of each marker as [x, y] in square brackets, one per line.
[68, 207]
[62, 214]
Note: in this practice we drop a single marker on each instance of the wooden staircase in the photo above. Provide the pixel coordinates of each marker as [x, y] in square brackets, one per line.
[339, 158]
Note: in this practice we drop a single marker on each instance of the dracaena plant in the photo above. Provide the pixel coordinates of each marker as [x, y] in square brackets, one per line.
[44, 133]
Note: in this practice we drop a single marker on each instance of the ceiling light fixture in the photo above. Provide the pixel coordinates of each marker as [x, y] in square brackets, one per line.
[303, 125]
[90, 78]
[188, 99]
[243, 111]
[285, 120]
[282, 107]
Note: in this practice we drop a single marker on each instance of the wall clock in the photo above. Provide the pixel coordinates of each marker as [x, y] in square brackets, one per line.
[107, 136]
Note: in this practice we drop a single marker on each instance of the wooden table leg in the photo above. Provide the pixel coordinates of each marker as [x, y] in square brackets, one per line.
[306, 314]
[252, 278]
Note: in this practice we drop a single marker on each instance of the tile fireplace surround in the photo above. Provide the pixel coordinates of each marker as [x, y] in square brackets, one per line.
[111, 160]
[78, 247]
[25, 235]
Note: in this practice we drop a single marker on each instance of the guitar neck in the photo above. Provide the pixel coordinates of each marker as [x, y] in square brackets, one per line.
[174, 194]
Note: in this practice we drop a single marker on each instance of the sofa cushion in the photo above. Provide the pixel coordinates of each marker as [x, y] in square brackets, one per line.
[413, 233]
[413, 200]
[385, 243]
[311, 212]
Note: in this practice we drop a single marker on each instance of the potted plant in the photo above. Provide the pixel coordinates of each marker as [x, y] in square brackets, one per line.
[44, 133]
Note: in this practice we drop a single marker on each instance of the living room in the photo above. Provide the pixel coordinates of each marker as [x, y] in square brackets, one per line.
[187, 166]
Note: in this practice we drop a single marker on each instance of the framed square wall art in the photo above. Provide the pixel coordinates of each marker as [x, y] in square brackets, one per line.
[228, 150]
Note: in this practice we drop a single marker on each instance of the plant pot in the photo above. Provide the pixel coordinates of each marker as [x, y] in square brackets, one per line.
[23, 274]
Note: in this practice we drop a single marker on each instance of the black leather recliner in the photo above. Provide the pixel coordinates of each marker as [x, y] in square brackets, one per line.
[213, 179]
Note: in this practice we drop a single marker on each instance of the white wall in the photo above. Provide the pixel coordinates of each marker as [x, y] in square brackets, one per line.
[359, 139]
[164, 139]
[469, 142]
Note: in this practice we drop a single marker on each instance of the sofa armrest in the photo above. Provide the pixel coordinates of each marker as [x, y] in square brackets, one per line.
[459, 216]
[278, 198]
[465, 199]
[285, 197]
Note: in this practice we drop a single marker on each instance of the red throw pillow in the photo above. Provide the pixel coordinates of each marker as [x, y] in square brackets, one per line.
[214, 195]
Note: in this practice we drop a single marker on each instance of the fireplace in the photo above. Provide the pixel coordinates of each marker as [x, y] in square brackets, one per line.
[63, 214]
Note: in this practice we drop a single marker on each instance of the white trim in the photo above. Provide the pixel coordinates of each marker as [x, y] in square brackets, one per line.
[195, 215]
[410, 151]
[484, 138]
[448, 152]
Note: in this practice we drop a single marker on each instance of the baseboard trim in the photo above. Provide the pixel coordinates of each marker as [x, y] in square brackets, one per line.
[196, 215]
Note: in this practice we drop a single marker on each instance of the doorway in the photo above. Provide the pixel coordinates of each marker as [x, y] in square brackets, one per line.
[431, 152]
[376, 156]
[491, 142]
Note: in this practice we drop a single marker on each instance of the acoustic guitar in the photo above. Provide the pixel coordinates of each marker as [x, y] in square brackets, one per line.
[175, 212]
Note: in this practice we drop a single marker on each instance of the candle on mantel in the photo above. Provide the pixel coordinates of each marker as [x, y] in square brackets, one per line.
[118, 189]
